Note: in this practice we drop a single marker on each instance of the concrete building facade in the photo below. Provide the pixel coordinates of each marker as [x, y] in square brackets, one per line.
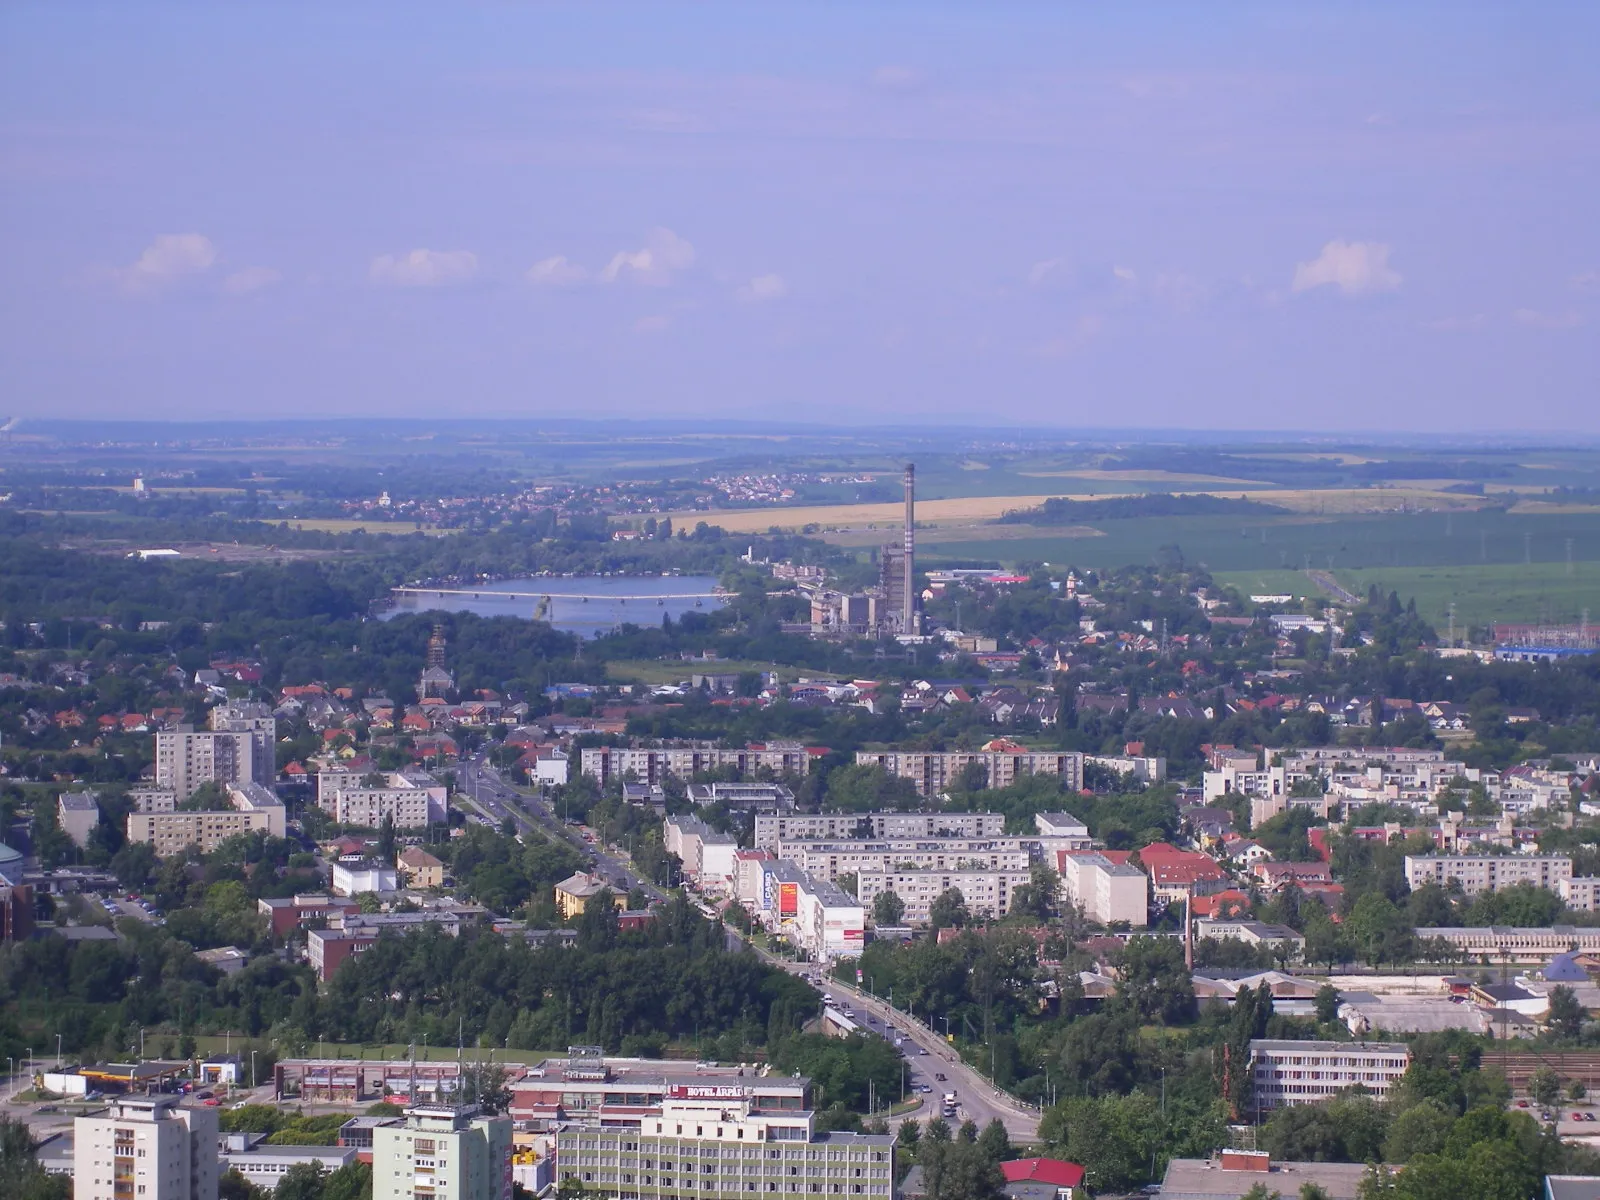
[1487, 872]
[934, 771]
[1294, 1072]
[146, 1148]
[1109, 892]
[985, 893]
[443, 1151]
[893, 826]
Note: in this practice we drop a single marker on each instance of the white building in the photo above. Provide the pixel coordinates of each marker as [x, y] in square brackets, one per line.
[447, 1152]
[1253, 933]
[1581, 893]
[985, 893]
[707, 853]
[252, 797]
[365, 875]
[1108, 891]
[78, 813]
[552, 767]
[898, 826]
[1003, 764]
[1487, 872]
[812, 913]
[833, 859]
[410, 799]
[1291, 1072]
[146, 1148]
[265, 1165]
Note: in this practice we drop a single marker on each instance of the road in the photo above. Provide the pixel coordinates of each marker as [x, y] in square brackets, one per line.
[978, 1100]
[497, 800]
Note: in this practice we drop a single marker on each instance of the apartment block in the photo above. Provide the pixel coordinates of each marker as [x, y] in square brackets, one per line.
[1581, 893]
[1109, 892]
[1002, 763]
[146, 1148]
[444, 1152]
[78, 813]
[814, 914]
[653, 764]
[410, 799]
[174, 832]
[719, 1139]
[829, 860]
[1290, 1072]
[707, 853]
[1488, 872]
[985, 893]
[896, 826]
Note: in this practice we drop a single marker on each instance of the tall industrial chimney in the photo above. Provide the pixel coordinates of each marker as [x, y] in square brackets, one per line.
[909, 622]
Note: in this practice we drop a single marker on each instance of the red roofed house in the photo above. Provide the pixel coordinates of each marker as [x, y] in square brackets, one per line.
[1277, 875]
[1177, 874]
[1043, 1179]
[1228, 903]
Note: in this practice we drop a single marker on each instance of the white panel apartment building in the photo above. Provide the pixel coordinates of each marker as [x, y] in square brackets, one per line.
[410, 799]
[146, 1148]
[1108, 891]
[933, 771]
[986, 893]
[1488, 872]
[1289, 1072]
[653, 764]
[895, 826]
[829, 860]
[444, 1151]
[708, 854]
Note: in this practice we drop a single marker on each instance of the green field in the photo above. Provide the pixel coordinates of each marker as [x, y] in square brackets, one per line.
[1271, 583]
[1485, 594]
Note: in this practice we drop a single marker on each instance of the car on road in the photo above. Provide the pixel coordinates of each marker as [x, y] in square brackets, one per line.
[47, 1108]
[922, 1049]
[939, 1077]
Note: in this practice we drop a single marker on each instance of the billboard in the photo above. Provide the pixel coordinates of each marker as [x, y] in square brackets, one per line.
[690, 1091]
[788, 899]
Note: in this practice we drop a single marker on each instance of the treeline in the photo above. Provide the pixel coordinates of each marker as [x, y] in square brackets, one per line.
[632, 992]
[1060, 510]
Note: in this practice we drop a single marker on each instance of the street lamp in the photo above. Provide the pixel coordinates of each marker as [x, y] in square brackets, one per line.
[58, 1052]
[252, 1070]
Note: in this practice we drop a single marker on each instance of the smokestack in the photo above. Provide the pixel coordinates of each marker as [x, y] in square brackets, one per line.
[909, 623]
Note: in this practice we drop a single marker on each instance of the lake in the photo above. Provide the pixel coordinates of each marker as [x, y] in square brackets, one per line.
[588, 605]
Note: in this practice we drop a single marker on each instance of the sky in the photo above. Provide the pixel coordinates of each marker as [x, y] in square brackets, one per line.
[1331, 217]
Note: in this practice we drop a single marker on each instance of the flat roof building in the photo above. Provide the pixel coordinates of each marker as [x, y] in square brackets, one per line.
[442, 1151]
[146, 1148]
[1287, 1073]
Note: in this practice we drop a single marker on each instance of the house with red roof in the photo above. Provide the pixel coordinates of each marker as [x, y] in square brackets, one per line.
[1178, 874]
[1043, 1179]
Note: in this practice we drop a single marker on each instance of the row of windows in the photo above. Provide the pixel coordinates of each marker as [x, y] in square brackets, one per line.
[665, 1182]
[794, 1154]
[647, 1164]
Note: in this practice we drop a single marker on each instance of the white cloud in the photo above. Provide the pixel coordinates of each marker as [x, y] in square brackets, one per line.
[1352, 267]
[664, 252]
[764, 287]
[171, 257]
[652, 324]
[1126, 274]
[1040, 271]
[424, 268]
[1544, 320]
[250, 279]
[556, 272]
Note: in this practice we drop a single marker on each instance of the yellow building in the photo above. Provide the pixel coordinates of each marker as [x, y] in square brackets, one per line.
[574, 893]
[421, 869]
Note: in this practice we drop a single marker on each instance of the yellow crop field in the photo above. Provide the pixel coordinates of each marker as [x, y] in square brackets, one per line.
[344, 525]
[1139, 477]
[832, 516]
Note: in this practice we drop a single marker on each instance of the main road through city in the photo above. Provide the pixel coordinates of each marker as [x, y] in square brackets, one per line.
[927, 1055]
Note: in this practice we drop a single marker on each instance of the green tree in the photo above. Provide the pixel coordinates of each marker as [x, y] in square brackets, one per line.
[1418, 1129]
[303, 1181]
[1327, 1002]
[948, 910]
[995, 1142]
[1566, 1015]
[1545, 1087]
[1155, 980]
[887, 909]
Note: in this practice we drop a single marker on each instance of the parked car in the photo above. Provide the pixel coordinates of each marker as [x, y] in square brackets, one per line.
[940, 1078]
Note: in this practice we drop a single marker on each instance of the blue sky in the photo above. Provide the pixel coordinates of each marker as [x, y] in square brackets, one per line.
[1282, 216]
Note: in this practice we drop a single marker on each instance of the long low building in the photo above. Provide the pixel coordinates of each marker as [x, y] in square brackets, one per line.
[265, 1165]
[1497, 943]
[985, 893]
[254, 807]
[829, 860]
[1002, 762]
[891, 826]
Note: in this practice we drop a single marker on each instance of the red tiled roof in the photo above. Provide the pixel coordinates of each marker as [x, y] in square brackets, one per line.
[1053, 1171]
